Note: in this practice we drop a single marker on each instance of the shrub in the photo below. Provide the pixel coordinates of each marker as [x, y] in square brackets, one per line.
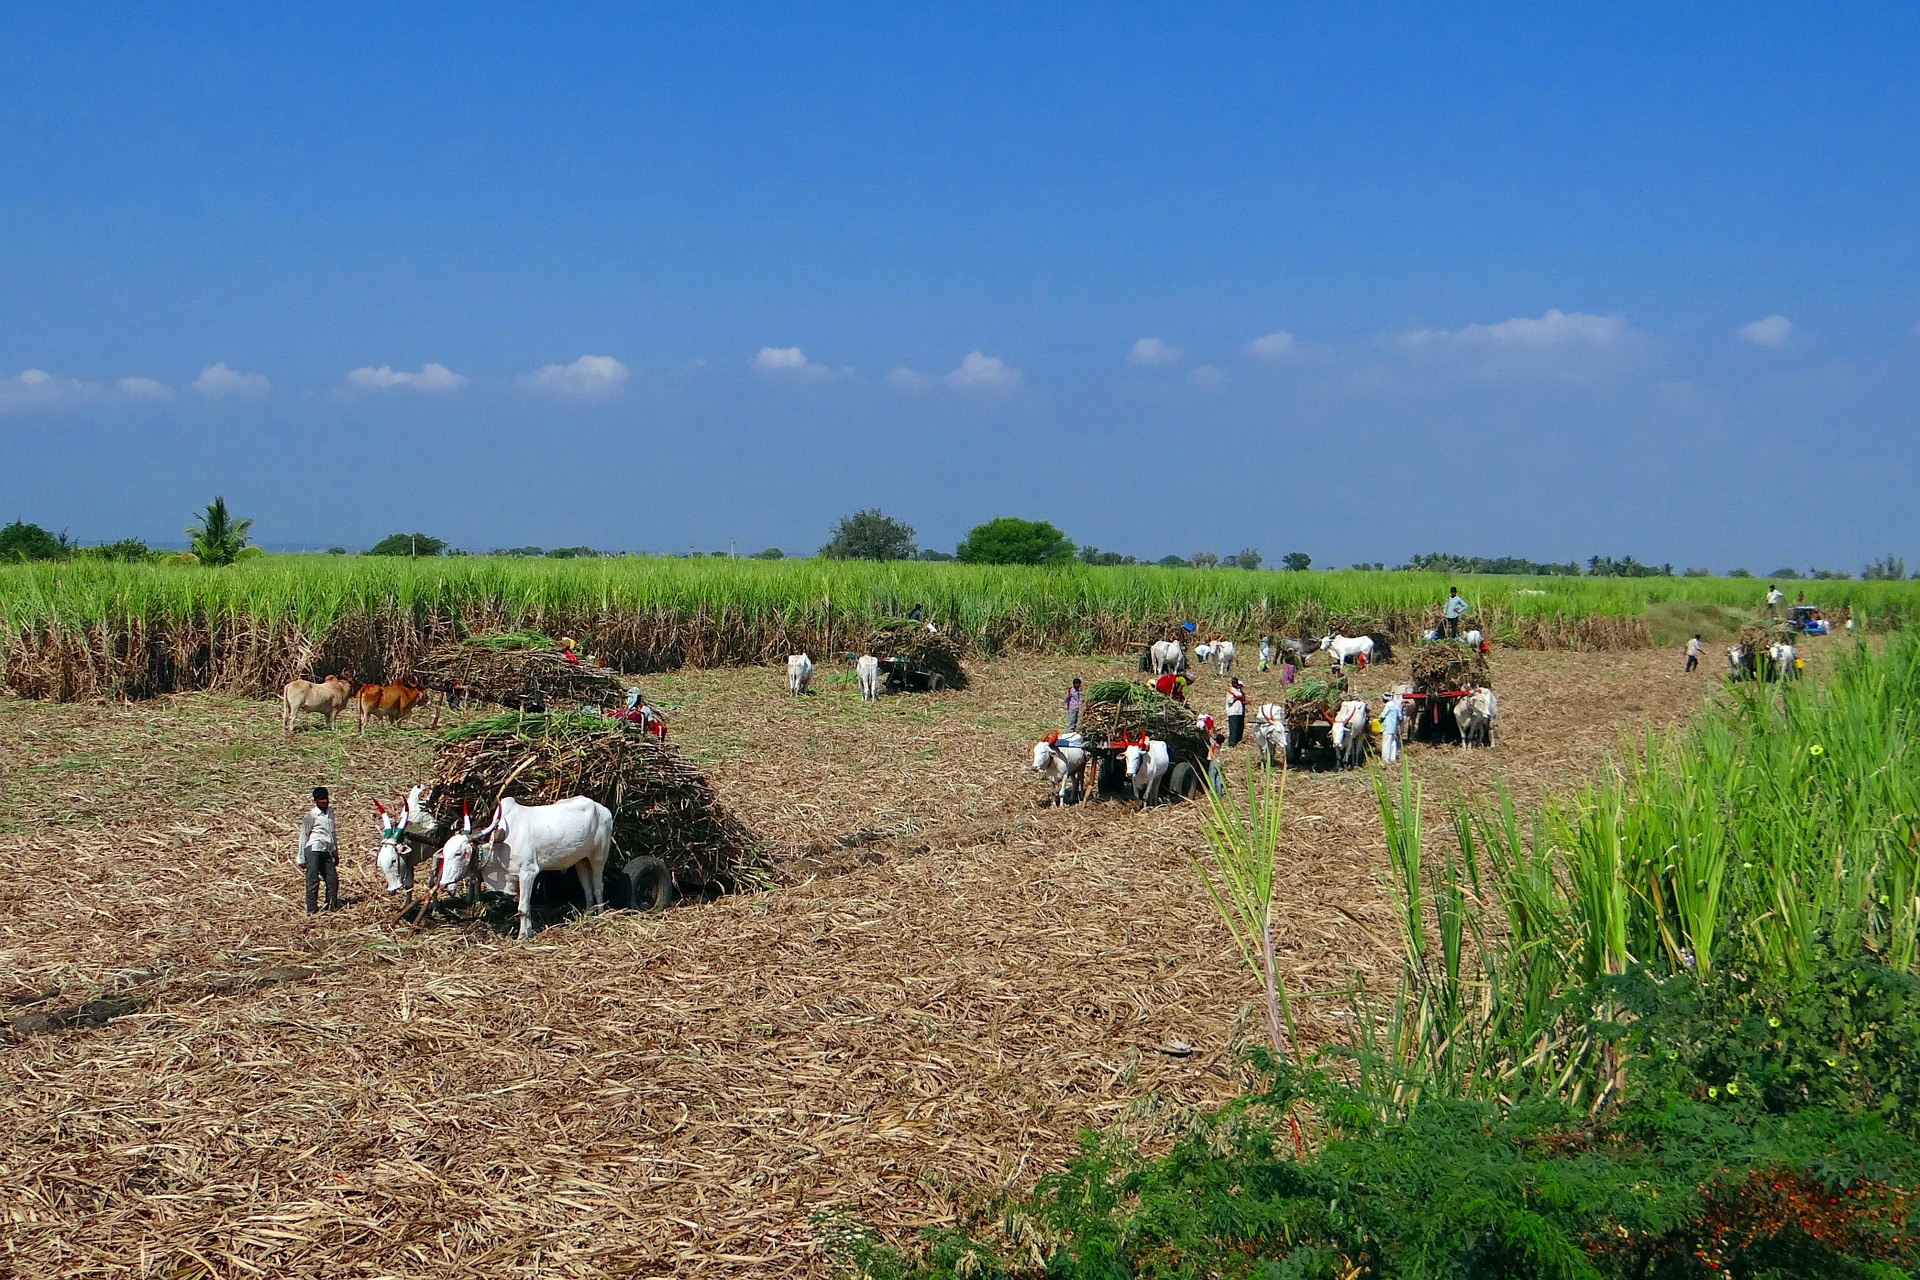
[1889, 568]
[1296, 561]
[23, 541]
[1009, 540]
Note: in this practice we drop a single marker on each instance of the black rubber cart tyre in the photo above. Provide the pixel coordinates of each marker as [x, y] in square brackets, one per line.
[650, 884]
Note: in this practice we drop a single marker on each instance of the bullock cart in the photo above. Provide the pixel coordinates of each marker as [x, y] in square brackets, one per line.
[1119, 711]
[671, 835]
[917, 657]
[520, 670]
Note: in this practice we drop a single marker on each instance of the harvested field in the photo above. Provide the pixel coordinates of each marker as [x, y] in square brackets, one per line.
[945, 983]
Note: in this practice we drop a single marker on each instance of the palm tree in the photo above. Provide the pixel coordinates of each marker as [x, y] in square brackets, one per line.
[217, 536]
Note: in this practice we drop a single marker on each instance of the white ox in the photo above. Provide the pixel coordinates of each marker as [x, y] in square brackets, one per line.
[869, 670]
[1475, 715]
[1270, 732]
[1147, 768]
[1344, 647]
[1167, 655]
[799, 673]
[530, 838]
[1473, 638]
[403, 840]
[1063, 762]
[324, 698]
[1350, 733]
[1223, 652]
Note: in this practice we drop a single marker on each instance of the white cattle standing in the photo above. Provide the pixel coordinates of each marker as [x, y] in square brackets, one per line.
[1473, 638]
[799, 673]
[1167, 655]
[1350, 733]
[1147, 767]
[1475, 715]
[869, 669]
[1270, 732]
[1223, 656]
[1064, 763]
[530, 838]
[1344, 647]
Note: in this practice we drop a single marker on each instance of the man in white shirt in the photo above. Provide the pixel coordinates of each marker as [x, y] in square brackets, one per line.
[1774, 597]
[1693, 653]
[319, 856]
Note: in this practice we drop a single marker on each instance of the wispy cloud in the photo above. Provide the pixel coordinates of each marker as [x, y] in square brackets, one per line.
[1560, 346]
[1153, 353]
[145, 389]
[1208, 377]
[908, 381]
[588, 378]
[218, 381]
[1773, 332]
[980, 374]
[1276, 346]
[792, 363]
[429, 378]
[38, 389]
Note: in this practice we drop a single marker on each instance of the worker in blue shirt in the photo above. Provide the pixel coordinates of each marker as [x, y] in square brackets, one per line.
[1453, 611]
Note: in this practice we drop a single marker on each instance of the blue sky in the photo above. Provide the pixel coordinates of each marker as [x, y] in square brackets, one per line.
[1356, 280]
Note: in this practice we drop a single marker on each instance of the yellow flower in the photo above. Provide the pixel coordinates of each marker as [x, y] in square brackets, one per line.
[1713, 1091]
[1733, 1086]
[1817, 749]
[1773, 1022]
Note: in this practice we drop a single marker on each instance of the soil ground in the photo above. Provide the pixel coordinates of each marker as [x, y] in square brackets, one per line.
[946, 983]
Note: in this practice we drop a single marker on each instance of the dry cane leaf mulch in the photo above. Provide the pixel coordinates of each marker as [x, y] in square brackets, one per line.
[945, 985]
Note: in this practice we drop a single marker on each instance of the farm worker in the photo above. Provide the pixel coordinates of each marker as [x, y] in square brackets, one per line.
[318, 855]
[567, 650]
[1173, 685]
[1800, 598]
[1288, 672]
[1773, 598]
[1214, 743]
[1266, 651]
[1073, 705]
[1236, 712]
[1454, 610]
[1390, 729]
[1693, 653]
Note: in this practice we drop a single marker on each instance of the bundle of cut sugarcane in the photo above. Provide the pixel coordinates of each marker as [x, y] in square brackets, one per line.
[519, 669]
[1119, 709]
[662, 804]
[1312, 701]
[930, 650]
[1442, 666]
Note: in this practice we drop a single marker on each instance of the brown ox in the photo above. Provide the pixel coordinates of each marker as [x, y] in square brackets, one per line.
[391, 702]
[326, 698]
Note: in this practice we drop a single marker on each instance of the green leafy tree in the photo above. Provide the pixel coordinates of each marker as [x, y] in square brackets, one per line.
[1789, 574]
[408, 544]
[1205, 560]
[932, 556]
[1296, 561]
[771, 553]
[870, 535]
[1890, 568]
[216, 536]
[23, 541]
[129, 550]
[1172, 562]
[1010, 540]
[1739, 573]
[1249, 558]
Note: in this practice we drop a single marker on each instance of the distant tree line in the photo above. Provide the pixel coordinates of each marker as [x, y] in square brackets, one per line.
[218, 537]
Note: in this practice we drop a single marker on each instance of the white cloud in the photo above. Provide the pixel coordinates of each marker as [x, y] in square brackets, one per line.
[909, 381]
[217, 380]
[431, 377]
[38, 389]
[986, 375]
[1277, 345]
[1772, 333]
[1152, 353]
[1570, 347]
[1208, 377]
[145, 389]
[588, 378]
[792, 363]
